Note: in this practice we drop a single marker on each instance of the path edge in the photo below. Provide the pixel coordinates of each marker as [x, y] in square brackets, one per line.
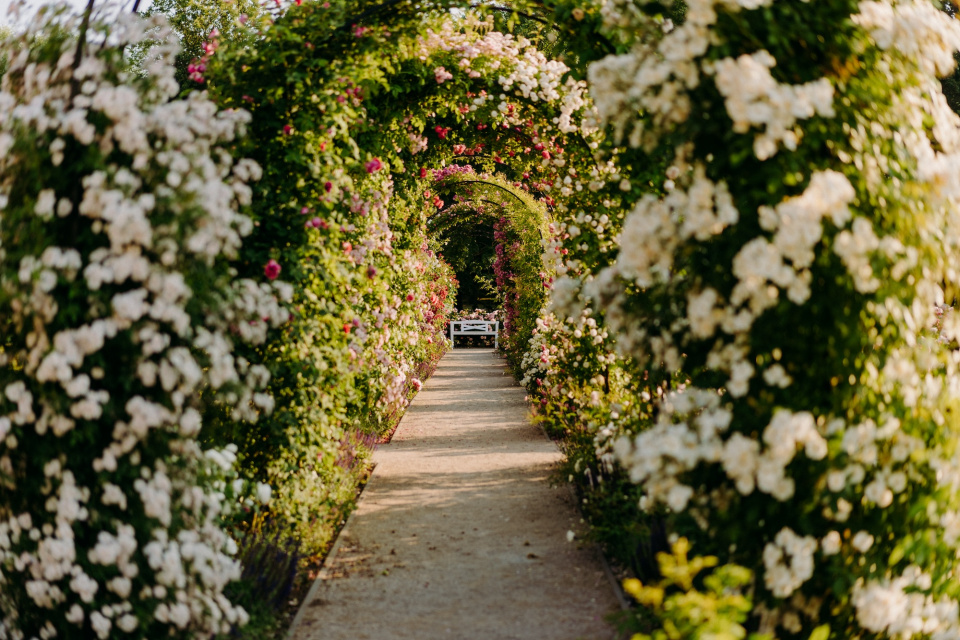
[324, 572]
[331, 557]
[597, 550]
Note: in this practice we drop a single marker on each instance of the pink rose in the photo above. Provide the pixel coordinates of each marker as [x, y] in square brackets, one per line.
[374, 165]
[271, 270]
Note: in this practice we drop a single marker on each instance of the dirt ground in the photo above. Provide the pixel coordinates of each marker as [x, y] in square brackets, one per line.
[458, 533]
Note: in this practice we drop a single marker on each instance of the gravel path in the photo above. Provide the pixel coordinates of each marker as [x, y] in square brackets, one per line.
[458, 533]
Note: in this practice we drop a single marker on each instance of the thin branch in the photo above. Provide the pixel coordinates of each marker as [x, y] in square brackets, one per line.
[136, 5]
[490, 184]
[82, 38]
[81, 43]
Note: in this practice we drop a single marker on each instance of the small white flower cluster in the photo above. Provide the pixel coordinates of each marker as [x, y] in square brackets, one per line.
[658, 456]
[655, 76]
[521, 66]
[652, 233]
[656, 227]
[788, 561]
[121, 309]
[916, 29]
[898, 607]
[755, 99]
[797, 225]
[782, 437]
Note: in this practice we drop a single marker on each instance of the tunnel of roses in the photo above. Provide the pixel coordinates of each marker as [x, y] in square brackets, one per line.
[723, 235]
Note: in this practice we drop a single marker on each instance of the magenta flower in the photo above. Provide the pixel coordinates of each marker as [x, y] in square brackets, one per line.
[374, 165]
[287, 129]
[271, 270]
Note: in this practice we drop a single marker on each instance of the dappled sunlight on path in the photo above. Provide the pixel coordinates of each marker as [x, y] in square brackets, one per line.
[459, 533]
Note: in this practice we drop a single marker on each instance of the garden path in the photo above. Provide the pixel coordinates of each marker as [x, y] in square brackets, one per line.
[459, 533]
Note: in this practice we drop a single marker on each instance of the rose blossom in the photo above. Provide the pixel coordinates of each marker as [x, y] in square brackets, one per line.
[271, 269]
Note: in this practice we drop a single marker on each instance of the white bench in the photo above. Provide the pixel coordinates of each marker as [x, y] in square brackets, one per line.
[475, 328]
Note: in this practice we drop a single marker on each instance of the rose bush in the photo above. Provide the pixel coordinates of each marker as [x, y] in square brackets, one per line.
[767, 306]
[119, 216]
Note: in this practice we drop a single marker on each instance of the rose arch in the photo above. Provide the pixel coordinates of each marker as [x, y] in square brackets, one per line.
[726, 246]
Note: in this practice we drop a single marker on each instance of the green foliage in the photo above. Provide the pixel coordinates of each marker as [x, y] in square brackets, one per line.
[234, 21]
[679, 609]
[381, 143]
[5, 33]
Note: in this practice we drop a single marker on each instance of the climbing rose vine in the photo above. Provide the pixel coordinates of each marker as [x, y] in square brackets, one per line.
[118, 215]
[776, 290]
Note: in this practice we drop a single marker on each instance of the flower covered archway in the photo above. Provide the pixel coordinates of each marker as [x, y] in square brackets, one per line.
[723, 230]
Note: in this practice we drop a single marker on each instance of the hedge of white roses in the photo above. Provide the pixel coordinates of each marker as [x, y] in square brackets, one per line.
[118, 215]
[769, 306]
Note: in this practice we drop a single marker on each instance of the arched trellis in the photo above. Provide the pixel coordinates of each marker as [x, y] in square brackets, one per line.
[522, 223]
[336, 215]
[706, 282]
[362, 119]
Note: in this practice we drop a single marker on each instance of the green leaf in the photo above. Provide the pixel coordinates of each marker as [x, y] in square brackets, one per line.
[820, 633]
[896, 555]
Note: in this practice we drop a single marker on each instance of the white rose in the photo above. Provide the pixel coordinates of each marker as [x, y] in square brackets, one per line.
[862, 541]
[836, 481]
[830, 544]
